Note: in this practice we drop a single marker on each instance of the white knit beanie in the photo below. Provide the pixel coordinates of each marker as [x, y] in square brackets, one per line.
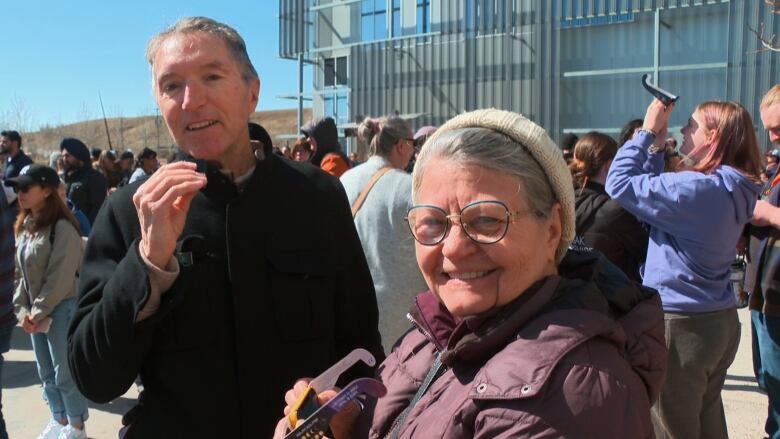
[542, 149]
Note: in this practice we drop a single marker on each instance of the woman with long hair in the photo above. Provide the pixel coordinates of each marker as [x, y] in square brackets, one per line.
[696, 215]
[108, 166]
[601, 223]
[48, 256]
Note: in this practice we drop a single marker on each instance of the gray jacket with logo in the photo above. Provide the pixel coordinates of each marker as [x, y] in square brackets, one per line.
[49, 270]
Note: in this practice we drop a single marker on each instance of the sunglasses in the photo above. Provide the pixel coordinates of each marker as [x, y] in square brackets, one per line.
[24, 189]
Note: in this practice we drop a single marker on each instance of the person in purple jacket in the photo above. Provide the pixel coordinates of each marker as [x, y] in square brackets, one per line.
[696, 215]
[520, 336]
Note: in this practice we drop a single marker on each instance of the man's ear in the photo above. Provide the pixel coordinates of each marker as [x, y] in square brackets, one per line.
[254, 97]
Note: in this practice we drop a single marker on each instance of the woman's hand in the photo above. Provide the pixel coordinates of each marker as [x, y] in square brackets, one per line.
[28, 325]
[657, 118]
[340, 425]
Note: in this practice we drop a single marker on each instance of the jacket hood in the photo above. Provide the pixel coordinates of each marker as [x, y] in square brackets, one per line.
[587, 200]
[528, 337]
[743, 191]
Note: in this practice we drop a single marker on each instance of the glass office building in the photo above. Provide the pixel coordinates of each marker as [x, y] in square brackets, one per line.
[569, 65]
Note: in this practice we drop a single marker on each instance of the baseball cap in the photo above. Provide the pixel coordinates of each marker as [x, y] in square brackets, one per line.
[34, 174]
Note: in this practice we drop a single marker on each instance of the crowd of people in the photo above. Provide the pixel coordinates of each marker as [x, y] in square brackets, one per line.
[507, 286]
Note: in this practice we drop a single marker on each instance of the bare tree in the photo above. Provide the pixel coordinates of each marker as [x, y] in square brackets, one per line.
[768, 42]
[18, 115]
[85, 113]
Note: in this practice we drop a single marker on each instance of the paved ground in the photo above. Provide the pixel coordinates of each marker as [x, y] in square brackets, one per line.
[26, 412]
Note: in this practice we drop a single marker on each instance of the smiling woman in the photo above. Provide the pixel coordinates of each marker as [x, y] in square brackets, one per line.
[518, 336]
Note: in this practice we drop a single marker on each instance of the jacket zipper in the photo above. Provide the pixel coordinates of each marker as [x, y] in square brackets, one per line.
[436, 345]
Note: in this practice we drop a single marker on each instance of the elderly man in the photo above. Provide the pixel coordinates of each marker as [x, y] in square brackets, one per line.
[199, 278]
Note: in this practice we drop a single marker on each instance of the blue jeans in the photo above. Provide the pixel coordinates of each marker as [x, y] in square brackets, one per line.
[51, 353]
[766, 365]
[5, 344]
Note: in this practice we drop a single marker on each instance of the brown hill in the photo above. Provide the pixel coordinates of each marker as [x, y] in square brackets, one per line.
[135, 133]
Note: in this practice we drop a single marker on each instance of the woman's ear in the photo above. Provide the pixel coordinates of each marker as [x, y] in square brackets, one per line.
[713, 137]
[554, 230]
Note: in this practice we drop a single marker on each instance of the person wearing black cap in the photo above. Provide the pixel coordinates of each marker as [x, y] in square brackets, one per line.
[324, 140]
[48, 256]
[85, 186]
[199, 278]
[11, 146]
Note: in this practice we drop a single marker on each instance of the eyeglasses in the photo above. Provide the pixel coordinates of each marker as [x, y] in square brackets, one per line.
[21, 189]
[484, 222]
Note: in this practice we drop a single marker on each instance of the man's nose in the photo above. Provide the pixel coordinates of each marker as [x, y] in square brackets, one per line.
[193, 97]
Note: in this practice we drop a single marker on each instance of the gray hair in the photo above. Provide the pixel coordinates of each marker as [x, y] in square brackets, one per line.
[227, 34]
[384, 133]
[491, 150]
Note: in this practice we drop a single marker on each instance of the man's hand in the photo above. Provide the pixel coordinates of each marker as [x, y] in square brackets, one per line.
[657, 118]
[765, 214]
[162, 203]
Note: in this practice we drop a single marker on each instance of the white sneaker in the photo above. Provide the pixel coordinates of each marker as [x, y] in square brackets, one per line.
[52, 430]
[72, 433]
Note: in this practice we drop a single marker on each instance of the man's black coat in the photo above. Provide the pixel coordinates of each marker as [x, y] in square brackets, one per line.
[86, 188]
[278, 289]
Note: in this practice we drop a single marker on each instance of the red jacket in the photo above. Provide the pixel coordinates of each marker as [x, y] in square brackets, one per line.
[580, 354]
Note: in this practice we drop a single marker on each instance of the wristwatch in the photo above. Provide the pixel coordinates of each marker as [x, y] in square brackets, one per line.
[652, 149]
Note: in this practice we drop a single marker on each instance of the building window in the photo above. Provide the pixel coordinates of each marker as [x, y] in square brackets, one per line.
[374, 19]
[603, 57]
[337, 107]
[335, 71]
[423, 16]
[396, 18]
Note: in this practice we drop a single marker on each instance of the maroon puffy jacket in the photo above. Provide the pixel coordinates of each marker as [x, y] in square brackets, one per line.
[579, 355]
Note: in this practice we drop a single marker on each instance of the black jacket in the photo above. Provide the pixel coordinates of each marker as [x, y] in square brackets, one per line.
[605, 226]
[86, 188]
[762, 274]
[279, 289]
[14, 165]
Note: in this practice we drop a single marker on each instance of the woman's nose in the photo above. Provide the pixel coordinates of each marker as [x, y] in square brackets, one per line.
[457, 244]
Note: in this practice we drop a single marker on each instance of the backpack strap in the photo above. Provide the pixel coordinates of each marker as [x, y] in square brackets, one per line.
[362, 197]
[52, 234]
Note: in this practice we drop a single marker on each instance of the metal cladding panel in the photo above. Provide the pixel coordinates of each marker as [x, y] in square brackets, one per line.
[516, 60]
[292, 27]
[573, 9]
[473, 63]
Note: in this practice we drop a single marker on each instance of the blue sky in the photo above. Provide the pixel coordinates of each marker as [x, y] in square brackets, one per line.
[57, 56]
